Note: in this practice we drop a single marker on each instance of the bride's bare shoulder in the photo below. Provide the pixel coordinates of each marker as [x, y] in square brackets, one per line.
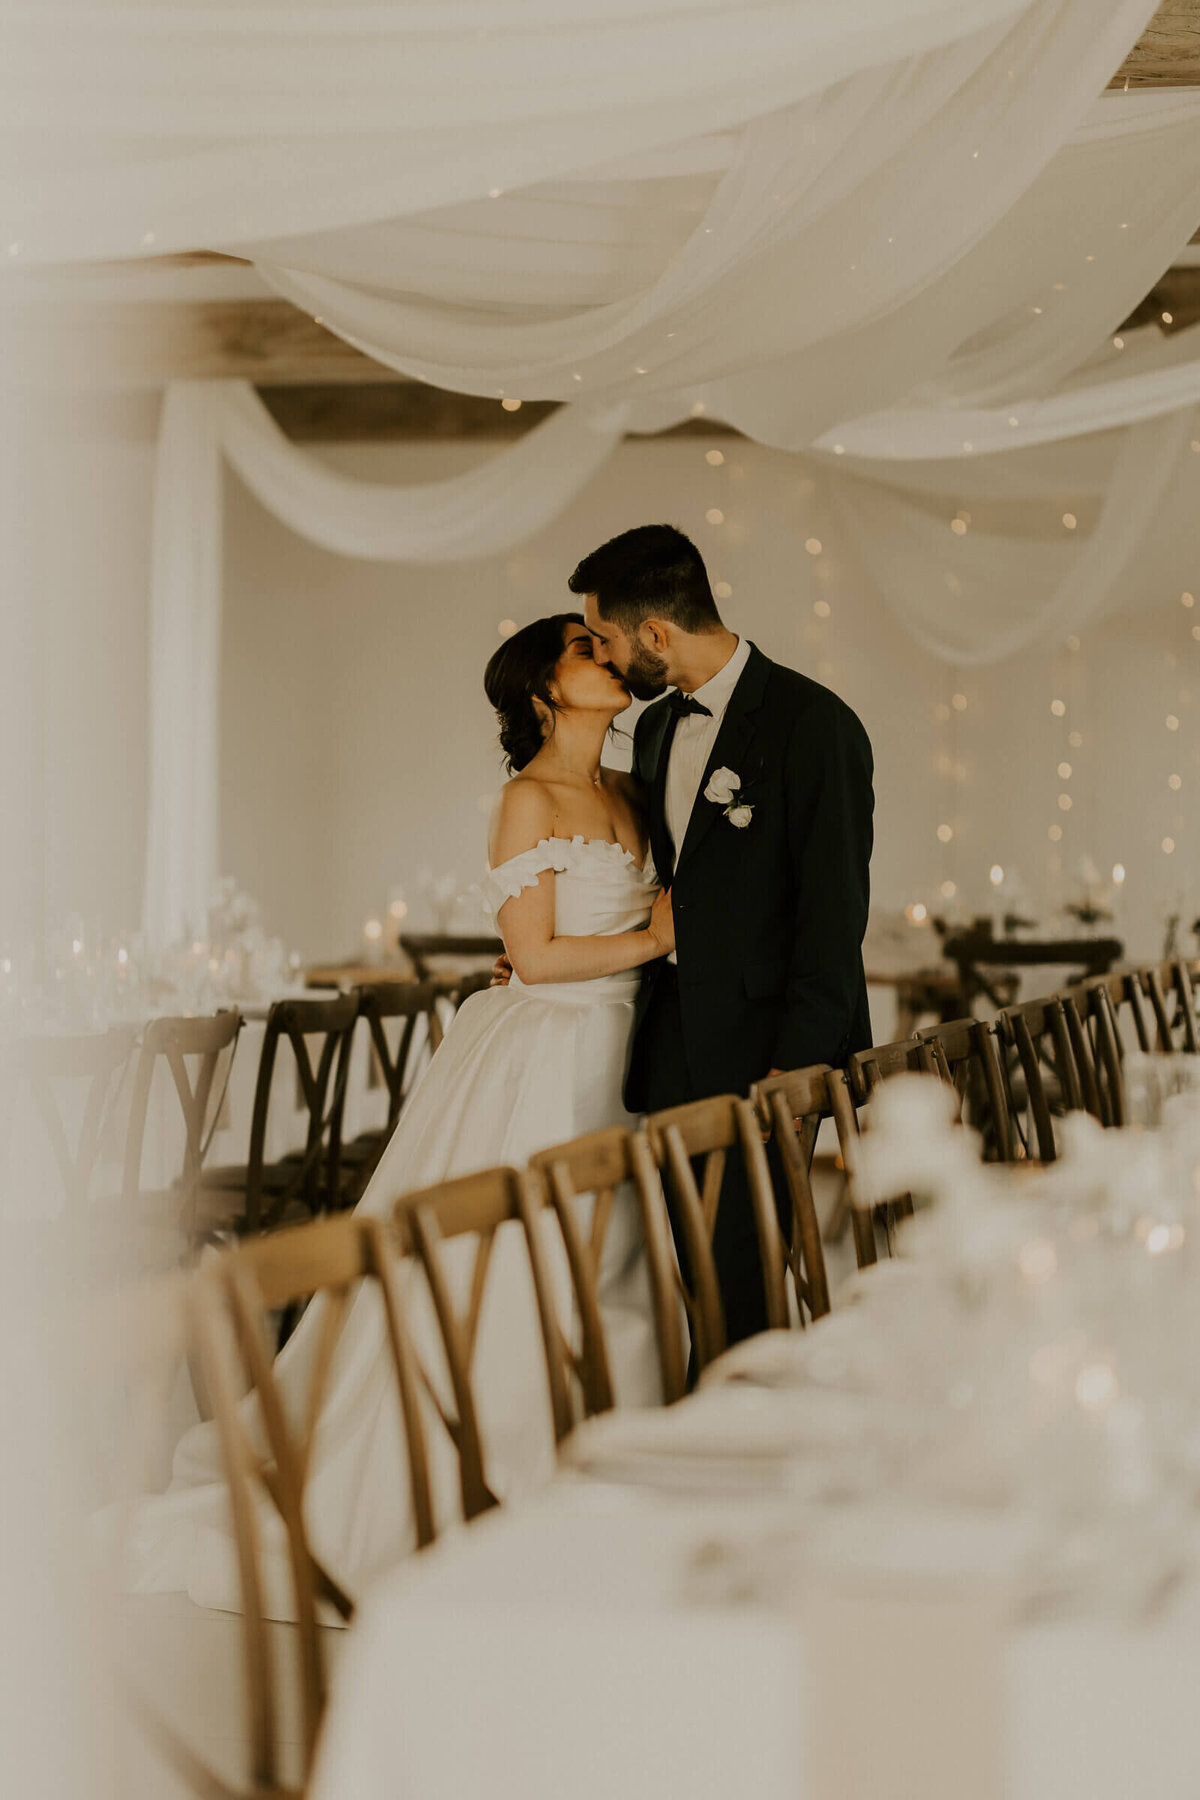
[522, 816]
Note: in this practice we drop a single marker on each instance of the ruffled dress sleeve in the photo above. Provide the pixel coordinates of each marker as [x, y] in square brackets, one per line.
[510, 878]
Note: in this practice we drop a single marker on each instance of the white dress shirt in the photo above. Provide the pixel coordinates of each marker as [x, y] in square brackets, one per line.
[693, 743]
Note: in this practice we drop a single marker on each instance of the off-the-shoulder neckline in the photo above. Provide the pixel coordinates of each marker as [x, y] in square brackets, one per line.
[577, 842]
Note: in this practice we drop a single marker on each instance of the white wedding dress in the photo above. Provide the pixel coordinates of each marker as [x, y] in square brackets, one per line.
[520, 1068]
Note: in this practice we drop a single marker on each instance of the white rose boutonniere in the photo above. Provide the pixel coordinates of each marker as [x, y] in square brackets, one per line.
[725, 789]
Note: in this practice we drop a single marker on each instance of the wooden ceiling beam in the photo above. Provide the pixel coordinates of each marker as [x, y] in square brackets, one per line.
[409, 412]
[1168, 52]
[1177, 296]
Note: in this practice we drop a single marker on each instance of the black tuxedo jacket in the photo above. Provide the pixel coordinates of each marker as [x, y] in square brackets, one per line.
[769, 919]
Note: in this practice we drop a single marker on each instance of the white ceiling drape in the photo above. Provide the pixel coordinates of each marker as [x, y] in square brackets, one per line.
[873, 235]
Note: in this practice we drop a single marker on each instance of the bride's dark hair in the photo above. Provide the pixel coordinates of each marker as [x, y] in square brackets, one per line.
[519, 673]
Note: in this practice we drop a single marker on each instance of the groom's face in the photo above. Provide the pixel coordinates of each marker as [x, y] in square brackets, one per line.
[640, 667]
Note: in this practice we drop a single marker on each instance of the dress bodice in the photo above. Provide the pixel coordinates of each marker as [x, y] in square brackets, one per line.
[600, 890]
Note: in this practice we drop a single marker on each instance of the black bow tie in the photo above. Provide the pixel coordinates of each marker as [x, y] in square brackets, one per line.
[684, 703]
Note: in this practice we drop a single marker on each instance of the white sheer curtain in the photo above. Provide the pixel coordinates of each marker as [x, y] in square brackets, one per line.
[508, 497]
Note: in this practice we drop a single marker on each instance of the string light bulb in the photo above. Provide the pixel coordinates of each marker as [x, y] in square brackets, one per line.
[1118, 874]
[714, 458]
[945, 833]
[1058, 708]
[995, 874]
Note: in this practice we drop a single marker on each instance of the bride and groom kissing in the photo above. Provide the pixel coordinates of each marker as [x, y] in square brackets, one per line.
[672, 933]
[749, 810]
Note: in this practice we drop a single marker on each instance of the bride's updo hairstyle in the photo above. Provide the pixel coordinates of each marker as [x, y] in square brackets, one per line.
[519, 673]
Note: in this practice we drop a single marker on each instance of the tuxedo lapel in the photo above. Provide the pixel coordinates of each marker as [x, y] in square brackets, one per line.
[658, 749]
[732, 750]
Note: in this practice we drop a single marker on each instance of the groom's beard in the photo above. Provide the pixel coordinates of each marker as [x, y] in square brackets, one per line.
[646, 675]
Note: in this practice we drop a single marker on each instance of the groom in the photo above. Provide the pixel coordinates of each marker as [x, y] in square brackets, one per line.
[759, 785]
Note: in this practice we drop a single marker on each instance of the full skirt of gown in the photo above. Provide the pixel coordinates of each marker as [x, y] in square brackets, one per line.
[519, 1069]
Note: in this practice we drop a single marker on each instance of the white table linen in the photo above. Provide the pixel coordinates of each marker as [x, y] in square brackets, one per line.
[555, 1649]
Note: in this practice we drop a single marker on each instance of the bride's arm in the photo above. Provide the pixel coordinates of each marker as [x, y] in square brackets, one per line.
[526, 920]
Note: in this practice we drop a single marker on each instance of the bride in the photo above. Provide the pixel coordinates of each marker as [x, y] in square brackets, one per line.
[521, 1067]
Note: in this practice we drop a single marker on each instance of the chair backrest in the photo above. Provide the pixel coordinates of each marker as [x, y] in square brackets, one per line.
[1172, 1000]
[1039, 1038]
[963, 1052]
[1131, 1016]
[708, 1132]
[73, 1083]
[792, 1106]
[331, 1022]
[173, 1041]
[336, 1260]
[842, 1086]
[154, 1326]
[411, 1002]
[1095, 1007]
[591, 1168]
[869, 1067]
[476, 1207]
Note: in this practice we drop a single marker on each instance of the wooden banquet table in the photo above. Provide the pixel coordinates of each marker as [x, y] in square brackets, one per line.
[588, 1645]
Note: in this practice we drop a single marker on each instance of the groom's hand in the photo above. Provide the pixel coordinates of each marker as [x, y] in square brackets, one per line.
[501, 972]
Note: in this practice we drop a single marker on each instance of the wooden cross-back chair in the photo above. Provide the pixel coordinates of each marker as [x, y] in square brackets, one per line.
[708, 1132]
[1096, 1001]
[1047, 1046]
[330, 1261]
[849, 1089]
[173, 1042]
[477, 1207]
[963, 1053]
[1128, 1005]
[258, 1195]
[792, 1106]
[410, 1002]
[154, 1326]
[590, 1169]
[1172, 998]
[54, 1071]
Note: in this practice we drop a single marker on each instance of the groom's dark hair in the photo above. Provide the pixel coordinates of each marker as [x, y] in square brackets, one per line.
[653, 571]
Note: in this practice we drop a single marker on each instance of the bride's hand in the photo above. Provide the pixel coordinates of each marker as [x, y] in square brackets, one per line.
[662, 923]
